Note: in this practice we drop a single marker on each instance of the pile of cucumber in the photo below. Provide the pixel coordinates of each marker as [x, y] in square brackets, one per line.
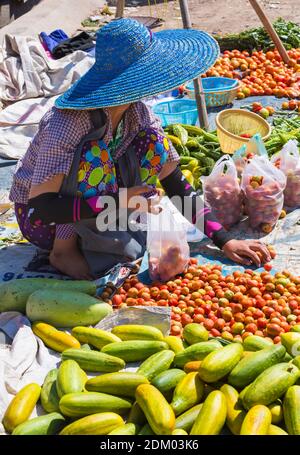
[198, 149]
[196, 386]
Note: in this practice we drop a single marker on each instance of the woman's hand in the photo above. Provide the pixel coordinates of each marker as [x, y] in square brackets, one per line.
[247, 252]
[134, 198]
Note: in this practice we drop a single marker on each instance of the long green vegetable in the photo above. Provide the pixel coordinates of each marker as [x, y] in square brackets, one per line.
[284, 129]
[257, 38]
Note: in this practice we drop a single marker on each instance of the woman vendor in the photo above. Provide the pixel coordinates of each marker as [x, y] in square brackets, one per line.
[100, 138]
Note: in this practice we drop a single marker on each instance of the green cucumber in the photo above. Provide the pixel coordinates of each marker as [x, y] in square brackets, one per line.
[48, 424]
[123, 383]
[49, 395]
[156, 363]
[62, 308]
[271, 385]
[166, 381]
[219, 363]
[197, 351]
[134, 351]
[94, 360]
[253, 365]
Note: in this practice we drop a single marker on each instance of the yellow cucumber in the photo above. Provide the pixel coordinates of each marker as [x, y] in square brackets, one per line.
[135, 350]
[166, 381]
[235, 411]
[174, 343]
[179, 432]
[94, 361]
[125, 429]
[219, 363]
[276, 411]
[95, 337]
[188, 393]
[257, 421]
[97, 424]
[291, 410]
[81, 404]
[136, 415]
[43, 425]
[186, 420]
[197, 351]
[21, 406]
[137, 332]
[156, 363]
[195, 333]
[157, 410]
[49, 395]
[123, 383]
[69, 378]
[276, 431]
[212, 415]
[53, 338]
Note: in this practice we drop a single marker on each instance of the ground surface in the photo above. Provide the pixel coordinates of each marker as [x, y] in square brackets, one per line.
[215, 16]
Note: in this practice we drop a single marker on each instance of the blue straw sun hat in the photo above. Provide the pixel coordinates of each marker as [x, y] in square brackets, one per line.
[133, 63]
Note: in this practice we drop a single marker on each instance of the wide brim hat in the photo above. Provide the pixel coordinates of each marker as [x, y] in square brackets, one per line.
[133, 63]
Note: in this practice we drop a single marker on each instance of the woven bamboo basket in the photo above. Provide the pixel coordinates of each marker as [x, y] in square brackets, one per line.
[231, 123]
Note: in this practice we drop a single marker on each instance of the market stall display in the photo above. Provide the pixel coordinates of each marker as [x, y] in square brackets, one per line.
[249, 392]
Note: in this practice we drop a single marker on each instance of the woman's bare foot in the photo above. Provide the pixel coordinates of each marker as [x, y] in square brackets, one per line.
[67, 258]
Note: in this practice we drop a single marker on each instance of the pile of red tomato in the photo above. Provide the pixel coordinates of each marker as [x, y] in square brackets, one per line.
[234, 306]
[260, 73]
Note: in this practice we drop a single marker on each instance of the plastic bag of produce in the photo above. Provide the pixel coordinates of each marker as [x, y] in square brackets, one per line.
[222, 192]
[167, 246]
[241, 157]
[263, 185]
[288, 161]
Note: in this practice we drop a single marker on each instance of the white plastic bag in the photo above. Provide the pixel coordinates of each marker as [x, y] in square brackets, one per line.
[241, 156]
[288, 161]
[222, 192]
[167, 246]
[263, 185]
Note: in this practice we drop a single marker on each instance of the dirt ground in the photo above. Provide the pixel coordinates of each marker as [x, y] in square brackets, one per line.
[214, 16]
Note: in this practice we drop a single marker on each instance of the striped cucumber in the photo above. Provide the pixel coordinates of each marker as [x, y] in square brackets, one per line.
[121, 383]
[197, 351]
[188, 392]
[186, 420]
[235, 412]
[96, 424]
[43, 425]
[219, 363]
[69, 378]
[291, 410]
[81, 404]
[49, 395]
[156, 363]
[212, 415]
[94, 337]
[257, 421]
[166, 381]
[271, 384]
